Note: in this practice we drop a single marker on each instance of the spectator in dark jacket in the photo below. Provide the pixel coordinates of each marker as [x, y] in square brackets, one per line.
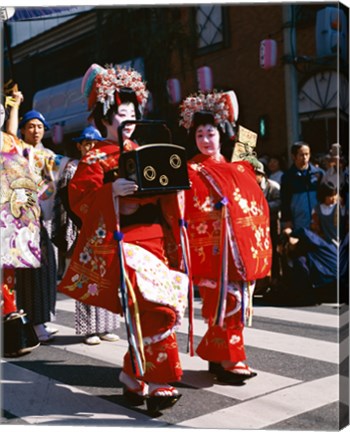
[299, 188]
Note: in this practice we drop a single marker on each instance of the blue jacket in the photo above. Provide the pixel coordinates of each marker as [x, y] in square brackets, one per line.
[299, 195]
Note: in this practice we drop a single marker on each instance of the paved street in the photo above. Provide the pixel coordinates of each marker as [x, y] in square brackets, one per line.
[295, 351]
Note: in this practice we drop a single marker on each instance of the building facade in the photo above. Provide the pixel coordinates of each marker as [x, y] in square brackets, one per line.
[292, 87]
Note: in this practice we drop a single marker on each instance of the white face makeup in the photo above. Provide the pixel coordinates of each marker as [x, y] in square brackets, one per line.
[208, 140]
[126, 111]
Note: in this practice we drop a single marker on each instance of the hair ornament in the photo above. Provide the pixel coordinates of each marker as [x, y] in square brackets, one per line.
[103, 84]
[223, 106]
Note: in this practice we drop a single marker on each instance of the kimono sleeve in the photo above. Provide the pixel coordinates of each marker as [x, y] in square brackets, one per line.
[87, 188]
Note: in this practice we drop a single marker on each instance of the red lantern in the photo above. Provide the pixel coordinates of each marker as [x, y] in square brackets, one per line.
[268, 53]
[57, 134]
[205, 79]
[174, 90]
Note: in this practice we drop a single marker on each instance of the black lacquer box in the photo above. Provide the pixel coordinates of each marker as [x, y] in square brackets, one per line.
[156, 168]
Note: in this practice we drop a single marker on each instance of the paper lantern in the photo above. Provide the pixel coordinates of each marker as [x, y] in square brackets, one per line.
[174, 90]
[205, 79]
[331, 33]
[232, 102]
[57, 134]
[268, 53]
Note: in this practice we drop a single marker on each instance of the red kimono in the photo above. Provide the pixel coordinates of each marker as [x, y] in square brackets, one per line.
[228, 229]
[106, 257]
[8, 300]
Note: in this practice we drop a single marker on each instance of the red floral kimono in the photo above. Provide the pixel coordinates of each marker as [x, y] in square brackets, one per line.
[107, 258]
[228, 229]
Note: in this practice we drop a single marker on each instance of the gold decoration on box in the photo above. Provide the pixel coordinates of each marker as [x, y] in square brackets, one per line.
[175, 161]
[163, 180]
[149, 173]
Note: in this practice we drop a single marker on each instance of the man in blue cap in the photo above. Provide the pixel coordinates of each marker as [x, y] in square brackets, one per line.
[33, 126]
[36, 288]
[87, 138]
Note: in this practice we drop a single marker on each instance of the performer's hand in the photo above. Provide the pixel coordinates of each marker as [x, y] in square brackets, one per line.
[124, 187]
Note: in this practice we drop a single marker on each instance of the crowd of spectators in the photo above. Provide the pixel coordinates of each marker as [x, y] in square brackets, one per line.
[309, 231]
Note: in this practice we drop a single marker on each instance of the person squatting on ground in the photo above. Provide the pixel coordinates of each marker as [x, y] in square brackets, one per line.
[94, 323]
[122, 244]
[329, 219]
[314, 251]
[228, 228]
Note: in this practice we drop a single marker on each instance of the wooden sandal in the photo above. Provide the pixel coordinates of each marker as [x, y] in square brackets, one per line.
[156, 403]
[137, 396]
[236, 375]
[243, 370]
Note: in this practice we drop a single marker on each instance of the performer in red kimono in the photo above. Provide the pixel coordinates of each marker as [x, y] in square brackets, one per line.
[228, 229]
[119, 262]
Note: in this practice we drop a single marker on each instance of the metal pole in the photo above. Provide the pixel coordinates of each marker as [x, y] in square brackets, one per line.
[291, 78]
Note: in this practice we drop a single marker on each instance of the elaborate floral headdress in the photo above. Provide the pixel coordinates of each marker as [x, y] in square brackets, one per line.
[223, 106]
[103, 85]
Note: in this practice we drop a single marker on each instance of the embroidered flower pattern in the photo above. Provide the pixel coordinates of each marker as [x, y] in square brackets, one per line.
[234, 340]
[171, 286]
[162, 357]
[94, 156]
[93, 262]
[206, 206]
[101, 233]
[202, 228]
[84, 257]
[78, 282]
[93, 289]
[255, 252]
[247, 208]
